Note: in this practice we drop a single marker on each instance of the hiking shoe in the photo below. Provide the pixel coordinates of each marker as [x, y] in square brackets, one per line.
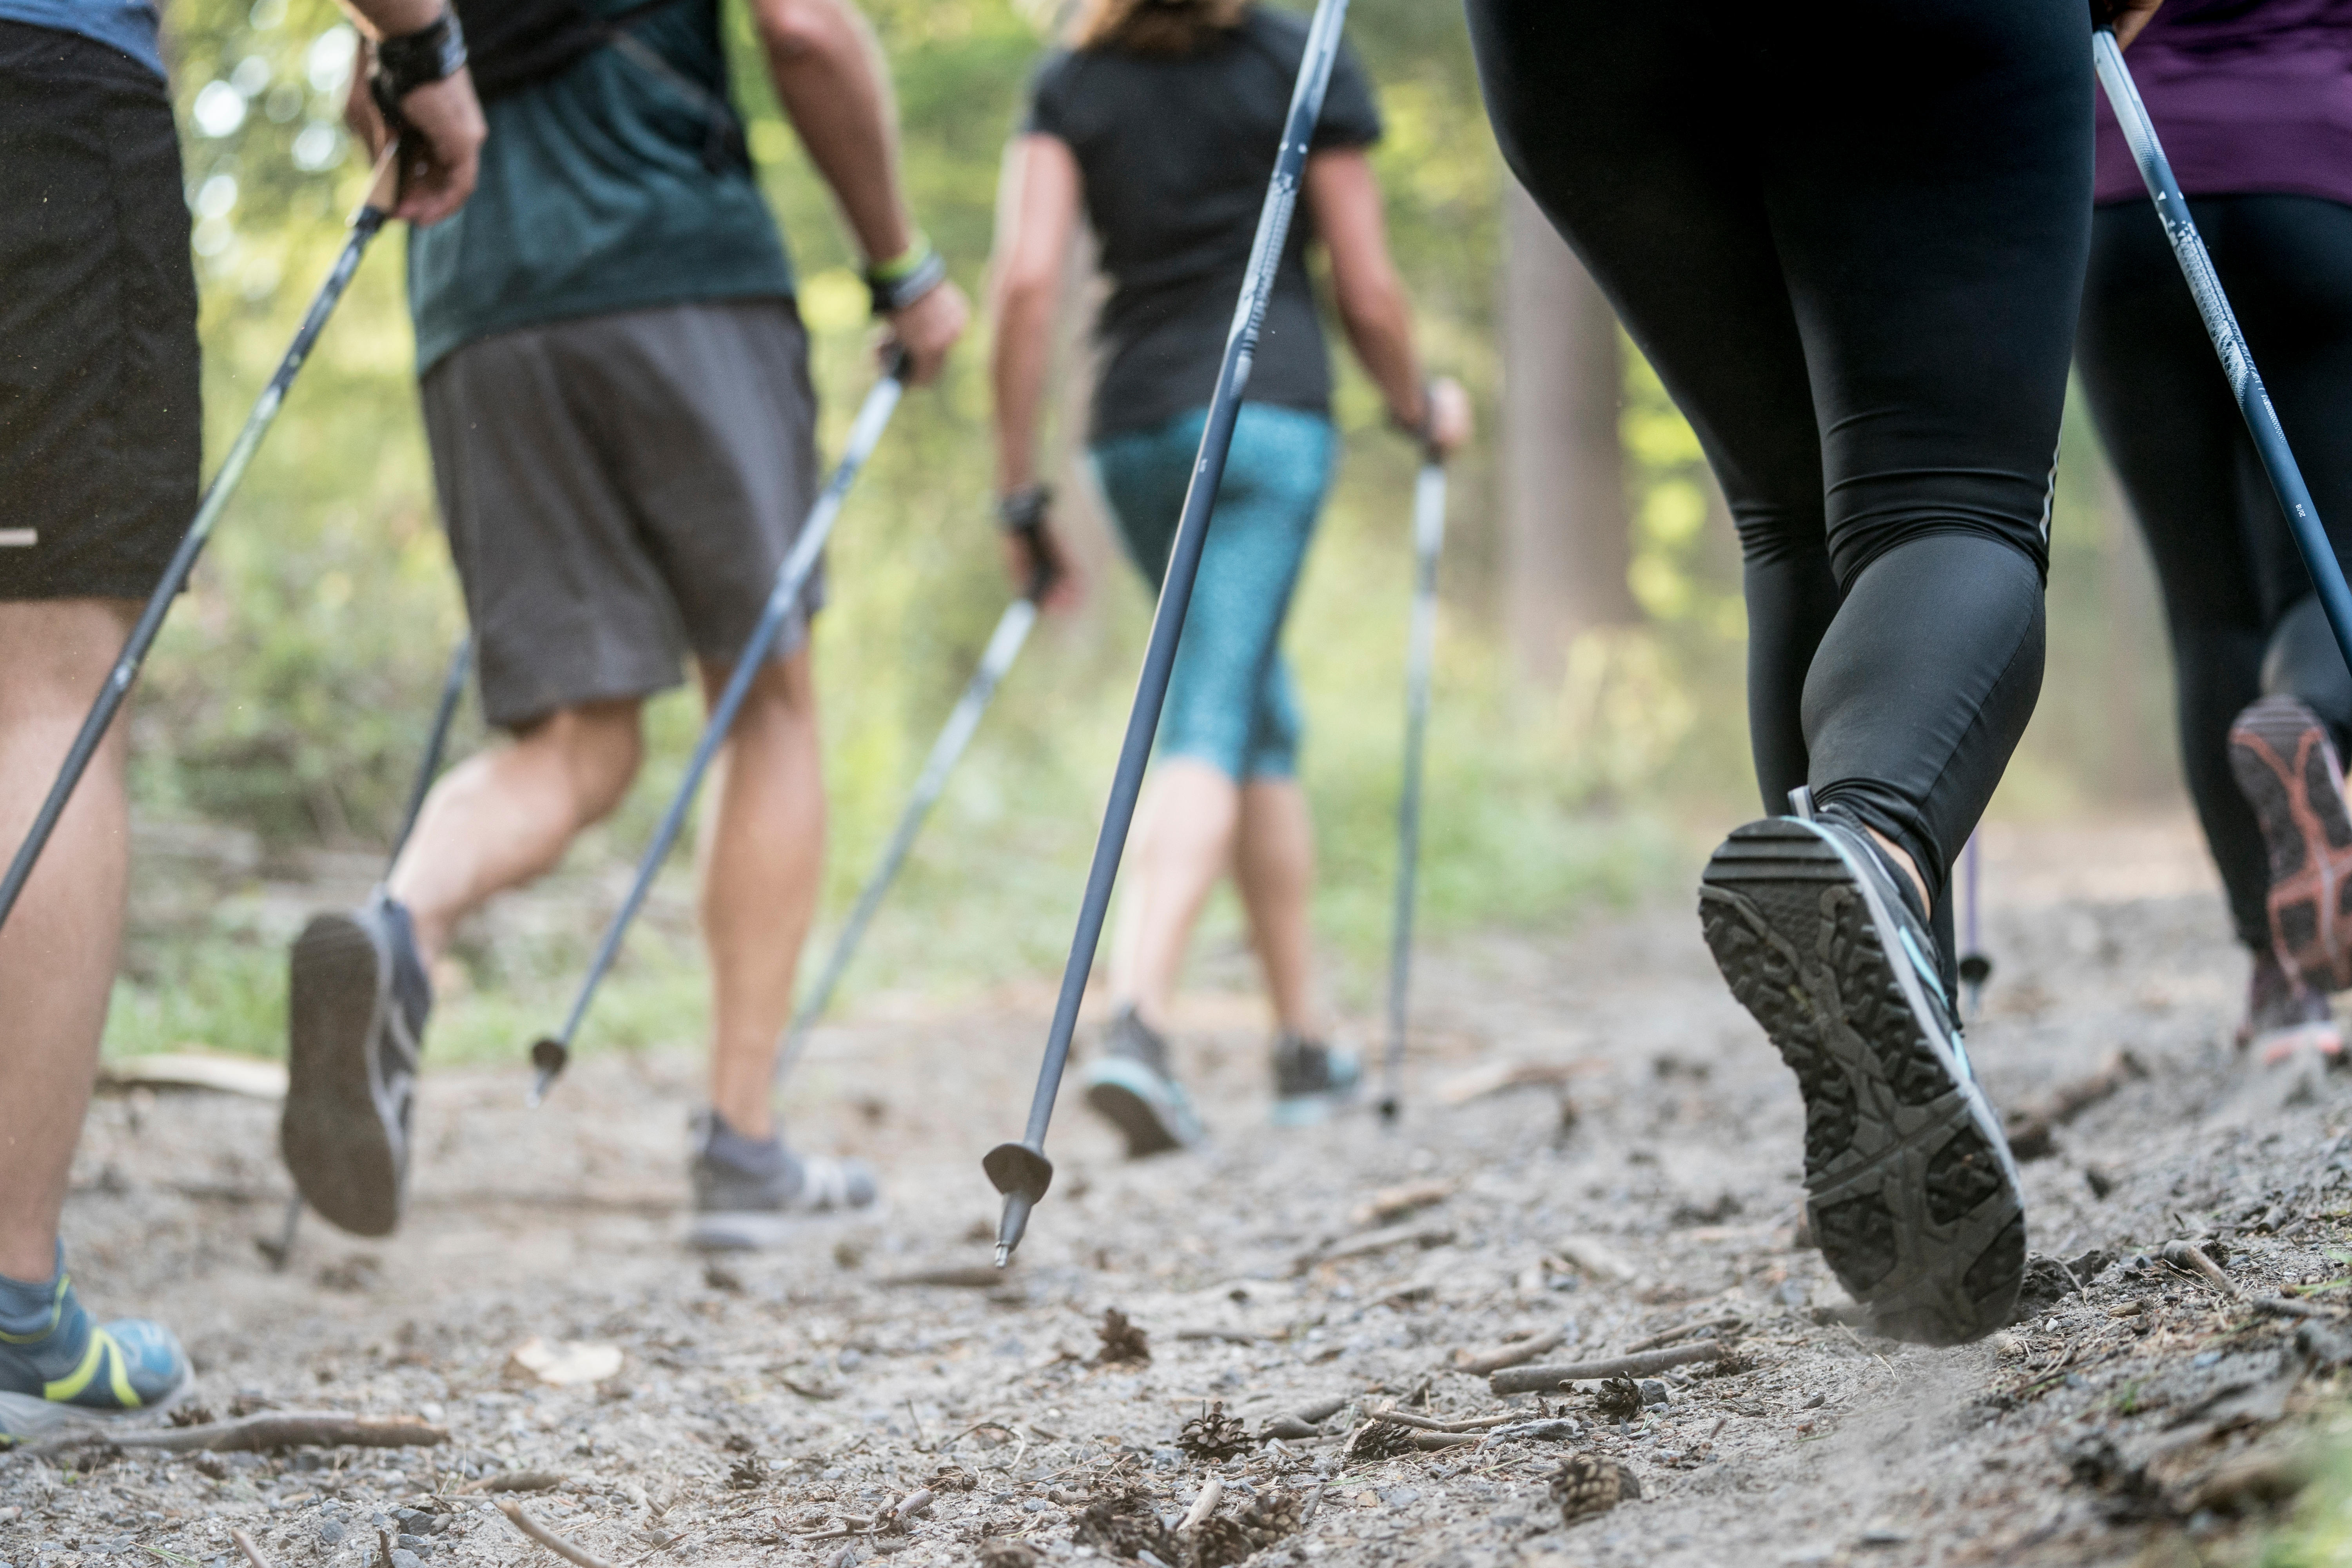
[753, 1193]
[1312, 1079]
[356, 1008]
[2284, 1015]
[57, 1366]
[1129, 1083]
[2288, 771]
[1909, 1188]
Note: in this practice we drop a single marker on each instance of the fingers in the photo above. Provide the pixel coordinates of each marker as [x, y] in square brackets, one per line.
[442, 151]
[928, 329]
[2130, 18]
[1449, 417]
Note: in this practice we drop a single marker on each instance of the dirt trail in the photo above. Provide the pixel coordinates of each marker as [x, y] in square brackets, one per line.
[760, 1401]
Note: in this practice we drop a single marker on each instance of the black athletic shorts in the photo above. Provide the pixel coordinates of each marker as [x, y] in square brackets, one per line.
[99, 437]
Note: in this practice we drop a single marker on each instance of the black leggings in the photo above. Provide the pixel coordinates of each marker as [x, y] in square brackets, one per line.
[1851, 236]
[2243, 618]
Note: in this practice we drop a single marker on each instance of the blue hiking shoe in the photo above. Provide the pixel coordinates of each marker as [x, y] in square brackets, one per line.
[58, 1366]
[356, 1006]
[1130, 1085]
[1910, 1186]
[753, 1193]
[1312, 1079]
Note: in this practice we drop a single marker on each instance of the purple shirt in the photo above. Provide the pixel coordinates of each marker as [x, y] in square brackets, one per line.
[2247, 96]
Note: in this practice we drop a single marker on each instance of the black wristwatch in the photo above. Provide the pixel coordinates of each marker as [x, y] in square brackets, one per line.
[1024, 509]
[417, 59]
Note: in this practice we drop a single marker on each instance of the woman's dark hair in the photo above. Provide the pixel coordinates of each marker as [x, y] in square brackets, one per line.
[1153, 26]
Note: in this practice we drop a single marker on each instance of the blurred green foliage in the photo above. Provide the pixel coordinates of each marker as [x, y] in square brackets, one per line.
[288, 695]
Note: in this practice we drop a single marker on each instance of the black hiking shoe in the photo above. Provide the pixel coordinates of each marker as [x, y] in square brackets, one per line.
[1909, 1188]
[2288, 769]
[753, 1193]
[1128, 1084]
[1312, 1079]
[356, 1008]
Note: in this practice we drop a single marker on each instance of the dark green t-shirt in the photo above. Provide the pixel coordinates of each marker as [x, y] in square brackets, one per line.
[597, 195]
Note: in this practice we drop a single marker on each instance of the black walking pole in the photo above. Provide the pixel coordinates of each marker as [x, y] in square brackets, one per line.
[1421, 649]
[2221, 325]
[1021, 1171]
[1003, 647]
[444, 713]
[550, 1053]
[365, 221]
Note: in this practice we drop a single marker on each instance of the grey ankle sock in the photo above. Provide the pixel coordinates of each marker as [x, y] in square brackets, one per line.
[29, 1307]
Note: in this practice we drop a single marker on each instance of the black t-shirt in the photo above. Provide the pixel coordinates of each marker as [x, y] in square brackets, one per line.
[1176, 155]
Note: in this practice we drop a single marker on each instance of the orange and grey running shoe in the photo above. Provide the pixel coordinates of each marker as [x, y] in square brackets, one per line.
[2288, 770]
[2284, 1015]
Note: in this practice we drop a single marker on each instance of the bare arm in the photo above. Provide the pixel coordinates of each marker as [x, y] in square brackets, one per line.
[830, 76]
[1038, 209]
[1345, 200]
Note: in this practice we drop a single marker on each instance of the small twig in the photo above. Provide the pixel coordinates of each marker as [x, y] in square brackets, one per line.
[549, 1538]
[1673, 1336]
[252, 1553]
[1444, 1439]
[1373, 1241]
[1547, 1379]
[921, 1446]
[1222, 1336]
[513, 1482]
[913, 1504]
[1519, 1354]
[1554, 1429]
[1435, 1423]
[282, 1429]
[2190, 1257]
[1212, 1490]
[2281, 1307]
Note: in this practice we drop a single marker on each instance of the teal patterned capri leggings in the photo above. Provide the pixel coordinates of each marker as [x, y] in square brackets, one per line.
[1230, 702]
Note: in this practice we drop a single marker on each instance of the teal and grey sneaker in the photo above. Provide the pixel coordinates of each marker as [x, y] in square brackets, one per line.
[58, 1367]
[1128, 1084]
[356, 1006]
[1312, 1079]
[753, 1193]
[1909, 1187]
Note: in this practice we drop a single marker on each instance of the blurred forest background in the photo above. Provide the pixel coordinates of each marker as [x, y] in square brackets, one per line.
[1588, 740]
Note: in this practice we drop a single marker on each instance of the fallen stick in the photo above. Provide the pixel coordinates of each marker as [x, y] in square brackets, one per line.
[2190, 1258]
[514, 1481]
[2031, 1127]
[1729, 1321]
[974, 1277]
[1431, 1424]
[1387, 1204]
[1558, 1429]
[548, 1538]
[1444, 1439]
[278, 1429]
[1212, 1491]
[2283, 1306]
[252, 1553]
[1517, 1354]
[1546, 1379]
[1375, 1241]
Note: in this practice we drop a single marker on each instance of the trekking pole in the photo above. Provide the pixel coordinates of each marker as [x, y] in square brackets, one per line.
[550, 1054]
[2228, 342]
[1003, 647]
[1976, 964]
[383, 189]
[1421, 649]
[280, 1249]
[1021, 1171]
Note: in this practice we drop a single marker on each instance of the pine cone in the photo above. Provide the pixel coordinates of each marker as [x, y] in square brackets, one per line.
[1619, 1397]
[1213, 1435]
[1221, 1543]
[1122, 1341]
[952, 1479]
[1274, 1516]
[747, 1474]
[1587, 1484]
[1124, 1523]
[1382, 1440]
[1009, 1554]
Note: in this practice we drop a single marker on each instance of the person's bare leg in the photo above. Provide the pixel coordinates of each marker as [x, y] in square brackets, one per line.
[763, 854]
[59, 950]
[504, 817]
[1274, 866]
[1192, 816]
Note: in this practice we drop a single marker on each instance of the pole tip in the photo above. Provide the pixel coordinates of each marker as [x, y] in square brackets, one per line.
[1012, 1226]
[1390, 1108]
[549, 1056]
[1003, 1254]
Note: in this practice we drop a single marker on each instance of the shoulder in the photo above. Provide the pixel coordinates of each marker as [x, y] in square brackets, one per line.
[1051, 85]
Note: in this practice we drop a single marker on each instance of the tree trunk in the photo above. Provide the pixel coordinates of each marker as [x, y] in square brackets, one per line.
[1565, 521]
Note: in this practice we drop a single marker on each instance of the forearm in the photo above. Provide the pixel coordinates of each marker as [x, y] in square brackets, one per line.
[829, 76]
[1379, 322]
[393, 18]
[1017, 371]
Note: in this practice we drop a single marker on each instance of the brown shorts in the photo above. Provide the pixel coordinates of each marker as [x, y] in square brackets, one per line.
[620, 492]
